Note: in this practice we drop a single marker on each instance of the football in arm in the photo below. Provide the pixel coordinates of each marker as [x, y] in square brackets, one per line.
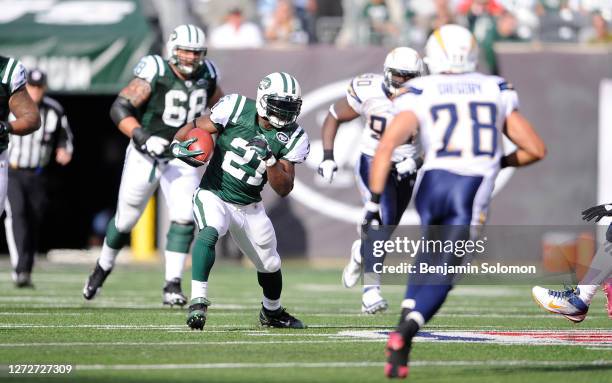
[204, 143]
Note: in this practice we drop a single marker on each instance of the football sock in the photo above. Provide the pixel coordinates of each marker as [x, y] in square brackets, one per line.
[199, 289]
[174, 264]
[203, 254]
[409, 328]
[114, 238]
[587, 292]
[600, 268]
[107, 257]
[272, 285]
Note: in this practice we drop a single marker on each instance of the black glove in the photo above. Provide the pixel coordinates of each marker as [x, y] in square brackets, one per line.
[260, 146]
[597, 212]
[5, 128]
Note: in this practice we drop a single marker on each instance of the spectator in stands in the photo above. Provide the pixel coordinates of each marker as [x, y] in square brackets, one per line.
[378, 17]
[284, 27]
[306, 11]
[236, 33]
[476, 10]
[558, 21]
[423, 17]
[600, 27]
[503, 30]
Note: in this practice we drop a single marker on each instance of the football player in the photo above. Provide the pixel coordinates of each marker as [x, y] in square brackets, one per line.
[573, 303]
[258, 141]
[371, 96]
[460, 116]
[13, 99]
[161, 98]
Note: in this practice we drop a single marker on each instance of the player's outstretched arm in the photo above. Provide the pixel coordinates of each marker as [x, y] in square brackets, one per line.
[531, 148]
[338, 113]
[27, 117]
[280, 177]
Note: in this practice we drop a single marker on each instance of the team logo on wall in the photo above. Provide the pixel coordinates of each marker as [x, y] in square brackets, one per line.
[341, 199]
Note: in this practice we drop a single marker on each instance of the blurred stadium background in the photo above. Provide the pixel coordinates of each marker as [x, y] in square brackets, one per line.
[557, 53]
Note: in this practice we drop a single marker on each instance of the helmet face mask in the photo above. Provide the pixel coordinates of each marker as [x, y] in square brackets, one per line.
[186, 48]
[401, 65]
[282, 111]
[279, 99]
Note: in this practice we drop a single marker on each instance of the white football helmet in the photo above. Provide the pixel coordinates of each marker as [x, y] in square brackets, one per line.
[190, 38]
[401, 62]
[451, 49]
[279, 99]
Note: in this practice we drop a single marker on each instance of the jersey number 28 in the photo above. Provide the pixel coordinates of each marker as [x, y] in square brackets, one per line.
[480, 124]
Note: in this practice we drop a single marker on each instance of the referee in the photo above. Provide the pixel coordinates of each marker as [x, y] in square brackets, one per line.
[28, 158]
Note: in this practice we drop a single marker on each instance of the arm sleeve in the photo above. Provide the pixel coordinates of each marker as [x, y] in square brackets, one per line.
[18, 77]
[222, 111]
[298, 147]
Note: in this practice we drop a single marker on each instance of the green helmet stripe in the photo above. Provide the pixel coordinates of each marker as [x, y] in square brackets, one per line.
[284, 81]
[189, 32]
[293, 90]
[197, 34]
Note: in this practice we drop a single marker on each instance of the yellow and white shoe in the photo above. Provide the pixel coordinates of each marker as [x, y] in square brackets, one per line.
[564, 302]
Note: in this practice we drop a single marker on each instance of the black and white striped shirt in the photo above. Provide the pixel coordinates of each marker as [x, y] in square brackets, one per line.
[36, 150]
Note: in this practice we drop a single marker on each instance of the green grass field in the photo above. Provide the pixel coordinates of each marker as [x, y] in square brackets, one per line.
[125, 335]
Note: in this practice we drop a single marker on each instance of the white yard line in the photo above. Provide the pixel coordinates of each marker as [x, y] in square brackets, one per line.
[187, 343]
[449, 363]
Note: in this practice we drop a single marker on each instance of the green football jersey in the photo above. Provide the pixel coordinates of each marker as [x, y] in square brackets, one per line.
[173, 101]
[234, 173]
[12, 77]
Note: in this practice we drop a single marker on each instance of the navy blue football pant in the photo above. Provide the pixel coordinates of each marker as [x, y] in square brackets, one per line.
[445, 204]
[393, 203]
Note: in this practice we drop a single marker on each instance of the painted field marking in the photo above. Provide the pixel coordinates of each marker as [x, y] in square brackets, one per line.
[448, 363]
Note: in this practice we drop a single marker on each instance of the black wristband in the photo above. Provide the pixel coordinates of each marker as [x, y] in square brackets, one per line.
[503, 162]
[328, 154]
[375, 197]
[140, 137]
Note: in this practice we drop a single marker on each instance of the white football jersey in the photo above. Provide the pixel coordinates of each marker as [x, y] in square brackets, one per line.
[461, 118]
[366, 95]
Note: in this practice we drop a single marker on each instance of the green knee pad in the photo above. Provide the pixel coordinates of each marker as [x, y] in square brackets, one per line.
[179, 237]
[114, 238]
[203, 256]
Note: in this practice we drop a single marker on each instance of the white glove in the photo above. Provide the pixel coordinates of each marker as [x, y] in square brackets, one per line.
[155, 146]
[327, 170]
[406, 167]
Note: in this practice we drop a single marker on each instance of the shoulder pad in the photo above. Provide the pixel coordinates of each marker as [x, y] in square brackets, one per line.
[212, 69]
[148, 67]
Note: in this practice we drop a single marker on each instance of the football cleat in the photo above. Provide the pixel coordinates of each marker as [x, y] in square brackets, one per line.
[397, 351]
[173, 294]
[372, 302]
[607, 288]
[24, 280]
[198, 310]
[279, 318]
[95, 281]
[352, 271]
[564, 302]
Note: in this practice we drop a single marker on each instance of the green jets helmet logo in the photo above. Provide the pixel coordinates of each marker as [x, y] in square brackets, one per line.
[173, 36]
[265, 83]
